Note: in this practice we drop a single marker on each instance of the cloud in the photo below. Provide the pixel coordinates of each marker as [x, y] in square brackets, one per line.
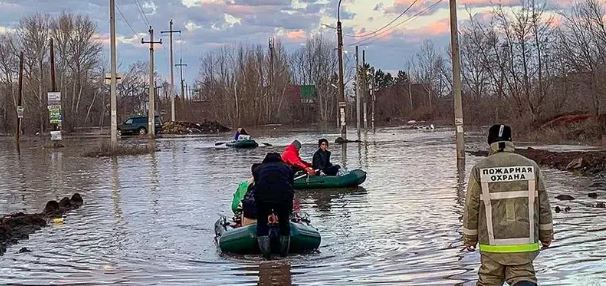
[191, 26]
[296, 36]
[6, 30]
[149, 8]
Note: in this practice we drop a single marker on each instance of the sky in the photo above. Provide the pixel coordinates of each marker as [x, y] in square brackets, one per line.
[207, 25]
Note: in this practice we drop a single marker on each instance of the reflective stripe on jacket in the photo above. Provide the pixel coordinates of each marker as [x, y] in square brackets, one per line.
[506, 208]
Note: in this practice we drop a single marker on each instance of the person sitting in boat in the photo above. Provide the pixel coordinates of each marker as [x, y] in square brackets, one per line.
[243, 203]
[321, 160]
[241, 131]
[274, 194]
[291, 157]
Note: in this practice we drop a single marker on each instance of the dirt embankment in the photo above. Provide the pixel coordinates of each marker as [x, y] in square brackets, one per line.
[183, 127]
[587, 163]
[18, 226]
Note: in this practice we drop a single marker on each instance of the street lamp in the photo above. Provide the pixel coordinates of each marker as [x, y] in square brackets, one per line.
[341, 98]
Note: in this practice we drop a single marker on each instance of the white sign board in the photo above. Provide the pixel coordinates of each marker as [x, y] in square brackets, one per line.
[55, 135]
[20, 110]
[54, 98]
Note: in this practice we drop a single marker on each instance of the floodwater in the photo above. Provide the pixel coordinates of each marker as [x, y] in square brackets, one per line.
[149, 220]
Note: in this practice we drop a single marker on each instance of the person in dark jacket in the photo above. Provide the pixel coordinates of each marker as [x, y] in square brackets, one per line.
[249, 208]
[321, 159]
[273, 193]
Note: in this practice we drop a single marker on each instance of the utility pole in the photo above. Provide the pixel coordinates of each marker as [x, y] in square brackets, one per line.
[456, 76]
[410, 91]
[52, 105]
[342, 104]
[358, 87]
[172, 80]
[364, 95]
[113, 76]
[372, 95]
[20, 101]
[151, 114]
[52, 62]
[181, 65]
[271, 62]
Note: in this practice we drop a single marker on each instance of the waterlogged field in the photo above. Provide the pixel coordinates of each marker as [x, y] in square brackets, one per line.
[149, 219]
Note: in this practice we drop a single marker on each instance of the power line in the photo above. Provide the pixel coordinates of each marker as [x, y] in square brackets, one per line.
[124, 19]
[142, 12]
[367, 40]
[387, 25]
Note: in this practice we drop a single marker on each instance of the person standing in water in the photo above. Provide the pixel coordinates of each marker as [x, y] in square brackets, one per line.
[507, 212]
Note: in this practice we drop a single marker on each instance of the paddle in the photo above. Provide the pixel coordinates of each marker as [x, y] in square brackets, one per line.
[303, 176]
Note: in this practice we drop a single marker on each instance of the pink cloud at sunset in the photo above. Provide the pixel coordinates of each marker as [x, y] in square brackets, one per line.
[296, 36]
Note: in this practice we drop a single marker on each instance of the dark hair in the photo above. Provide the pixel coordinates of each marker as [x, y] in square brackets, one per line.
[322, 141]
[254, 166]
[272, 157]
[243, 132]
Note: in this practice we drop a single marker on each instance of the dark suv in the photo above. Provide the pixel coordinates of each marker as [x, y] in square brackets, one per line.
[138, 125]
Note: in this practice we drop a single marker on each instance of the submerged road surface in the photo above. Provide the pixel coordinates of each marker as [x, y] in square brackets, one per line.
[149, 219]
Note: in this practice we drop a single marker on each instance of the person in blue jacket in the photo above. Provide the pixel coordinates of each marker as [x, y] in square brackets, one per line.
[239, 132]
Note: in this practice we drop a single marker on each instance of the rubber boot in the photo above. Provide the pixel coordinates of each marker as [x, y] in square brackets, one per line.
[284, 245]
[265, 246]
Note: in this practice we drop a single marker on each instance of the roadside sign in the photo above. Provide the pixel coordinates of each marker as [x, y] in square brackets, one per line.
[54, 98]
[55, 135]
[54, 113]
[20, 110]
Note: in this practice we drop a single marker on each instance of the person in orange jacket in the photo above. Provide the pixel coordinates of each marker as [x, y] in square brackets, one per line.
[291, 157]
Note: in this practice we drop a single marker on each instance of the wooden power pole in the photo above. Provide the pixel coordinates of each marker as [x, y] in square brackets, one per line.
[151, 110]
[341, 100]
[357, 89]
[170, 33]
[20, 101]
[113, 77]
[365, 93]
[181, 65]
[456, 76]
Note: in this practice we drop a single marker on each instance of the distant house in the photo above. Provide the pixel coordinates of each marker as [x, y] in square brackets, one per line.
[302, 101]
[301, 94]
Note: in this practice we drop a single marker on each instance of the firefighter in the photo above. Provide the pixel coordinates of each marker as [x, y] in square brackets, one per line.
[507, 212]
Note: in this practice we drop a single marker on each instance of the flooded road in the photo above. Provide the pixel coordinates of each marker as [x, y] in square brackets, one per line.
[150, 219]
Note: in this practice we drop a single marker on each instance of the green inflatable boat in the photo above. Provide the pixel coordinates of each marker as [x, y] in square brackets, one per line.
[243, 240]
[248, 143]
[351, 179]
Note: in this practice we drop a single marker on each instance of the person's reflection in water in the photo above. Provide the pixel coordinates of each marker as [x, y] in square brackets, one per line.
[274, 273]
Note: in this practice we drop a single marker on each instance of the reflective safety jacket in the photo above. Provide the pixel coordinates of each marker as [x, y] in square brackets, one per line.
[506, 207]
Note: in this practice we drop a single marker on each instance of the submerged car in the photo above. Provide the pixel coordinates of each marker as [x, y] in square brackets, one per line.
[138, 125]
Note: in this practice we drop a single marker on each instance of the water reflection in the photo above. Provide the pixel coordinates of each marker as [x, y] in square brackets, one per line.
[149, 219]
[323, 199]
[274, 273]
[115, 178]
[344, 155]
